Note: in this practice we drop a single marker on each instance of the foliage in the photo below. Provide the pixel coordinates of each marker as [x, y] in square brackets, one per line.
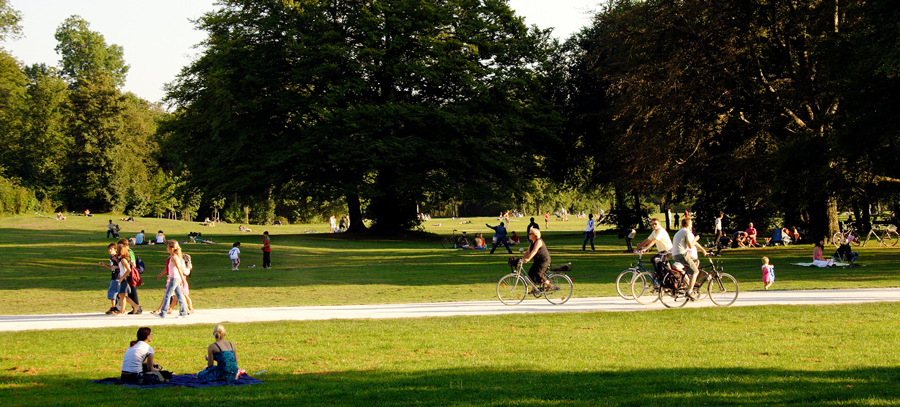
[366, 101]
[16, 199]
[85, 53]
[9, 22]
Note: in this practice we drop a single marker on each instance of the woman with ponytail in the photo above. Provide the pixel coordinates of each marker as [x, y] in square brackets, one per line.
[220, 358]
[138, 358]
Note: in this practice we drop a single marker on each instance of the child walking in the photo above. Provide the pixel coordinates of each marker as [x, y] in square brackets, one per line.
[113, 267]
[768, 273]
[235, 255]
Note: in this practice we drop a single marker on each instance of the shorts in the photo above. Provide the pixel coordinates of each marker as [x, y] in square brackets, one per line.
[125, 287]
[234, 262]
[113, 289]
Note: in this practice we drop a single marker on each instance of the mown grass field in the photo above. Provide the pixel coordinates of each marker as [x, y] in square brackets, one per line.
[747, 356]
[744, 356]
[50, 266]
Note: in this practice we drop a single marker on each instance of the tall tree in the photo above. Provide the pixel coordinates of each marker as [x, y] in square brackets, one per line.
[389, 101]
[9, 21]
[85, 52]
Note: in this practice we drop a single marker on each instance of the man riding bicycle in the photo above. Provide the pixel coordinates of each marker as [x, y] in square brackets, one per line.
[661, 238]
[684, 253]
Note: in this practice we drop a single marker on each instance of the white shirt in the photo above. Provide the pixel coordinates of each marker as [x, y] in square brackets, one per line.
[590, 225]
[718, 224]
[663, 243]
[683, 242]
[234, 252]
[160, 239]
[134, 356]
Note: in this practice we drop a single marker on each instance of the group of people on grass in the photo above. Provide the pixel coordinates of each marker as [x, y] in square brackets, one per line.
[139, 363]
[122, 289]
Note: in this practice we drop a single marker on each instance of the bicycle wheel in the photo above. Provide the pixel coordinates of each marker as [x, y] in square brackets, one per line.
[511, 289]
[447, 243]
[837, 239]
[891, 238]
[724, 291]
[644, 289]
[672, 298]
[561, 290]
[623, 283]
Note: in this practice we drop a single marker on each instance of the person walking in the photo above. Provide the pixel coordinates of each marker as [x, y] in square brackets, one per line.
[547, 220]
[531, 225]
[589, 233]
[175, 268]
[267, 250]
[499, 237]
[718, 228]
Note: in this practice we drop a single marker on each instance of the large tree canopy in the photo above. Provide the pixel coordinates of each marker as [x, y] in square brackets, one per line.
[396, 102]
[85, 53]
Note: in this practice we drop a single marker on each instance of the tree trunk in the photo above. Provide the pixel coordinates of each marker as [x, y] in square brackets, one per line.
[356, 219]
[823, 219]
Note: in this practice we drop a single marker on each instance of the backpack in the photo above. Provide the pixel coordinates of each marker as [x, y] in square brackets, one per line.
[139, 264]
[135, 280]
[187, 264]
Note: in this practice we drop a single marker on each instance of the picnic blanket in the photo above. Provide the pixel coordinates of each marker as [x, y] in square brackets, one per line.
[184, 380]
[836, 264]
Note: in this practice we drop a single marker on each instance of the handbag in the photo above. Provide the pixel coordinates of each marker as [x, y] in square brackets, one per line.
[135, 280]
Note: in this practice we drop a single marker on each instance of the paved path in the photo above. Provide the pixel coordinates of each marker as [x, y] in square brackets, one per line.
[440, 309]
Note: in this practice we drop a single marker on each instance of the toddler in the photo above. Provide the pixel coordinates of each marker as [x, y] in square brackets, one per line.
[235, 255]
[768, 273]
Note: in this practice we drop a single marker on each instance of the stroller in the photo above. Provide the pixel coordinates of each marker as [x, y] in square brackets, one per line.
[845, 255]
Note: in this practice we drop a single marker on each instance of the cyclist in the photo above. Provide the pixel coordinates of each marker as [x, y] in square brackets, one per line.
[658, 236]
[683, 246]
[537, 251]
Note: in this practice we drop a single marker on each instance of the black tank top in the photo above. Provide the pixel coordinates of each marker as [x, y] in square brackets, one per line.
[542, 256]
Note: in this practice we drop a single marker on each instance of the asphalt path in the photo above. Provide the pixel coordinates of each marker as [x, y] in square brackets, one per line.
[439, 309]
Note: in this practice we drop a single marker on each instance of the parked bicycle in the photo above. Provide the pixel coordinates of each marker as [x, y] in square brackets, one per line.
[849, 235]
[721, 287]
[455, 241]
[514, 287]
[888, 237]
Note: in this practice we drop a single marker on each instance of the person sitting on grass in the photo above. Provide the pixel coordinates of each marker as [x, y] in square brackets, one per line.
[221, 359]
[751, 236]
[160, 237]
[479, 242]
[138, 358]
[738, 239]
[59, 216]
[514, 239]
[818, 258]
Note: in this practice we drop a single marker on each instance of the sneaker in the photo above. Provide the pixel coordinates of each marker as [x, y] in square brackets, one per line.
[592, 249]
[161, 314]
[582, 249]
[112, 312]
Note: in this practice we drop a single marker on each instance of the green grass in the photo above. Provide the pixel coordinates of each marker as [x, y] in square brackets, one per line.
[747, 356]
[51, 266]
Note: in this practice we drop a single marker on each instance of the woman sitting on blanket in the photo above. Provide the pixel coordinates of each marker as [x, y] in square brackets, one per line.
[818, 259]
[138, 358]
[222, 354]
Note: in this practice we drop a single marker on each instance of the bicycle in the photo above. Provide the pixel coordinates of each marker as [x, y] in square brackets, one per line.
[626, 279]
[455, 241]
[889, 237]
[721, 287]
[514, 287]
[847, 236]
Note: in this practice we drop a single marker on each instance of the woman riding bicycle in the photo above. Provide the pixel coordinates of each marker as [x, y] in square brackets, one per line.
[537, 251]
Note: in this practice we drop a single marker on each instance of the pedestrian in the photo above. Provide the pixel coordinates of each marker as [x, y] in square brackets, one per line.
[768, 273]
[718, 228]
[267, 250]
[332, 224]
[235, 255]
[547, 220]
[530, 225]
[175, 268]
[113, 267]
[126, 292]
[589, 233]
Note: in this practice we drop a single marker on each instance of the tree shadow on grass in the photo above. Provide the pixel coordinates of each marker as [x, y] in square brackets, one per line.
[490, 387]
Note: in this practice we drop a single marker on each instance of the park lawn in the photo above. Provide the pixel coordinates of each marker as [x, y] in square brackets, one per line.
[50, 266]
[747, 356]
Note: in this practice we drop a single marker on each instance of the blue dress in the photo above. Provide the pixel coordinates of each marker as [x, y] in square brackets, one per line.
[225, 369]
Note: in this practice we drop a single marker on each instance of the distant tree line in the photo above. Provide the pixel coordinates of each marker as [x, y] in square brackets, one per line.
[769, 111]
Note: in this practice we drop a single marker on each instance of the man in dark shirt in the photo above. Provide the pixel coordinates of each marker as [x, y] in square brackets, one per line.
[499, 237]
[531, 225]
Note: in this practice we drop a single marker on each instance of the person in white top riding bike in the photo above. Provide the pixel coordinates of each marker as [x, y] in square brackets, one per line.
[658, 236]
[682, 250]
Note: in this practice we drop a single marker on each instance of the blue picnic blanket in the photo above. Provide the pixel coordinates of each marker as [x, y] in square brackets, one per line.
[184, 380]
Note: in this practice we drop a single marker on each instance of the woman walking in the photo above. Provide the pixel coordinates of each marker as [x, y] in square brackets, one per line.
[175, 268]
